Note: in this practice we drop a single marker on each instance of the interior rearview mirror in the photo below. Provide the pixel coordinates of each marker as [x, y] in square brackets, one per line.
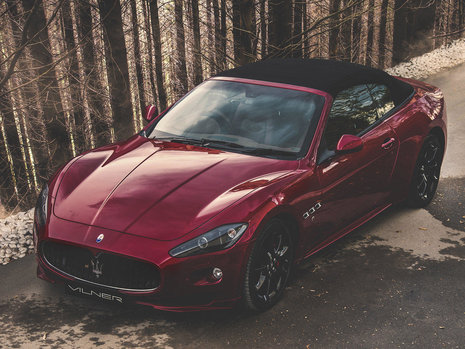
[150, 112]
[348, 144]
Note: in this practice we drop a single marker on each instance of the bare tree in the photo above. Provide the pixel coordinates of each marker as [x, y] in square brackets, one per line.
[377, 14]
[243, 30]
[263, 28]
[158, 56]
[58, 51]
[127, 19]
[222, 51]
[210, 37]
[297, 28]
[88, 134]
[9, 158]
[197, 50]
[280, 25]
[181, 70]
[101, 66]
[144, 50]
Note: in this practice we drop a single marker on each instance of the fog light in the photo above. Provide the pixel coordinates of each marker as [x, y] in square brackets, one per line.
[217, 273]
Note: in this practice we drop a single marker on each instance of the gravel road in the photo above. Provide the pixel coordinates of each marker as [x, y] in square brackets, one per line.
[395, 282]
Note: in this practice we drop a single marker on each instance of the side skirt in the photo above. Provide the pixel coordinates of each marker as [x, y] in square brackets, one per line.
[345, 231]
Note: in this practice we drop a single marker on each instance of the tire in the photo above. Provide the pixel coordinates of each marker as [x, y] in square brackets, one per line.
[268, 267]
[426, 173]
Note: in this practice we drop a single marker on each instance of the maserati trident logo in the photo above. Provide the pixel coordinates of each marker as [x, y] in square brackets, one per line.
[100, 238]
[97, 267]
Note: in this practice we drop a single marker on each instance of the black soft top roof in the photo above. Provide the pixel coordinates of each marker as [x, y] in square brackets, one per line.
[325, 75]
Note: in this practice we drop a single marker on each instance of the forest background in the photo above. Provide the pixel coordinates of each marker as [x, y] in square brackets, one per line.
[76, 74]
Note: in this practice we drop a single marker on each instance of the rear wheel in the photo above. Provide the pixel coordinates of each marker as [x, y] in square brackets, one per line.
[269, 267]
[426, 173]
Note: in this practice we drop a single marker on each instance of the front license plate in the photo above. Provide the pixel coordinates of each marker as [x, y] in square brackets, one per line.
[93, 293]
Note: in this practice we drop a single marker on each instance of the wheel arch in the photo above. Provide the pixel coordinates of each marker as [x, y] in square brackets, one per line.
[438, 132]
[291, 222]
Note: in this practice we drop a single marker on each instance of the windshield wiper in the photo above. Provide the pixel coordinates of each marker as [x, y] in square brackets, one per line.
[204, 142]
[178, 139]
[268, 151]
[207, 142]
[245, 149]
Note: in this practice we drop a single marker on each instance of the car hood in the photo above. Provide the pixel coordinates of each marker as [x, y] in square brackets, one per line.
[158, 190]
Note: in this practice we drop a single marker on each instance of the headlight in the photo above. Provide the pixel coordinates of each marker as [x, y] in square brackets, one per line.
[40, 212]
[217, 239]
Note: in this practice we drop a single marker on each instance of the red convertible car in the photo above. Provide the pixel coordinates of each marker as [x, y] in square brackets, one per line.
[218, 197]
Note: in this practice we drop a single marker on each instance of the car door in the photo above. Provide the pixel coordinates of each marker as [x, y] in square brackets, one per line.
[355, 184]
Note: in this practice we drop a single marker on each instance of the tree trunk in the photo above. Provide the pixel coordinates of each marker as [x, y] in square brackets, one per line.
[243, 30]
[181, 71]
[304, 29]
[375, 51]
[38, 130]
[58, 51]
[218, 38]
[144, 57]
[345, 39]
[16, 105]
[101, 65]
[158, 56]
[127, 19]
[9, 158]
[211, 52]
[223, 34]
[88, 132]
[362, 59]
[197, 65]
[263, 29]
[389, 37]
[334, 23]
[370, 34]
[297, 32]
[280, 26]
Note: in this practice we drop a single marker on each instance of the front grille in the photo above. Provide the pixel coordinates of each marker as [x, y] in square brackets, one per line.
[103, 269]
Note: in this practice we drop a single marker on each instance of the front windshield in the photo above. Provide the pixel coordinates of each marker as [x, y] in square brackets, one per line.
[245, 117]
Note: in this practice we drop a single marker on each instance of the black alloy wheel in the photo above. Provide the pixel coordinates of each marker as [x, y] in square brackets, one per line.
[426, 174]
[269, 267]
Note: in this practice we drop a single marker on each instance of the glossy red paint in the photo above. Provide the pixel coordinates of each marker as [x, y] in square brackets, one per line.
[150, 112]
[148, 196]
[349, 143]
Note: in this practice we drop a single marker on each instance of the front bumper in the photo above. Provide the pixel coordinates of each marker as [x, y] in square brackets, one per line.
[186, 284]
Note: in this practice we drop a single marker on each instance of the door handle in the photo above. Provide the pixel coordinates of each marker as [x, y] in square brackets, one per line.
[388, 143]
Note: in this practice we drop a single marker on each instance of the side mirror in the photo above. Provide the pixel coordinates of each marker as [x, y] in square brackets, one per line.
[348, 144]
[150, 112]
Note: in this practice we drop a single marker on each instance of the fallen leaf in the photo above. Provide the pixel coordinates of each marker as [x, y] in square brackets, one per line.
[441, 327]
[44, 336]
[421, 228]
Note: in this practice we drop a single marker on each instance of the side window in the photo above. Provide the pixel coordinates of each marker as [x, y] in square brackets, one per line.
[382, 96]
[353, 111]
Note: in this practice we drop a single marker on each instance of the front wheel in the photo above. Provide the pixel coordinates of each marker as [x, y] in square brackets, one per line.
[268, 267]
[426, 173]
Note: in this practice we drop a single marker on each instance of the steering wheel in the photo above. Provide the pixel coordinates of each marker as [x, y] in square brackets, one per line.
[221, 119]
